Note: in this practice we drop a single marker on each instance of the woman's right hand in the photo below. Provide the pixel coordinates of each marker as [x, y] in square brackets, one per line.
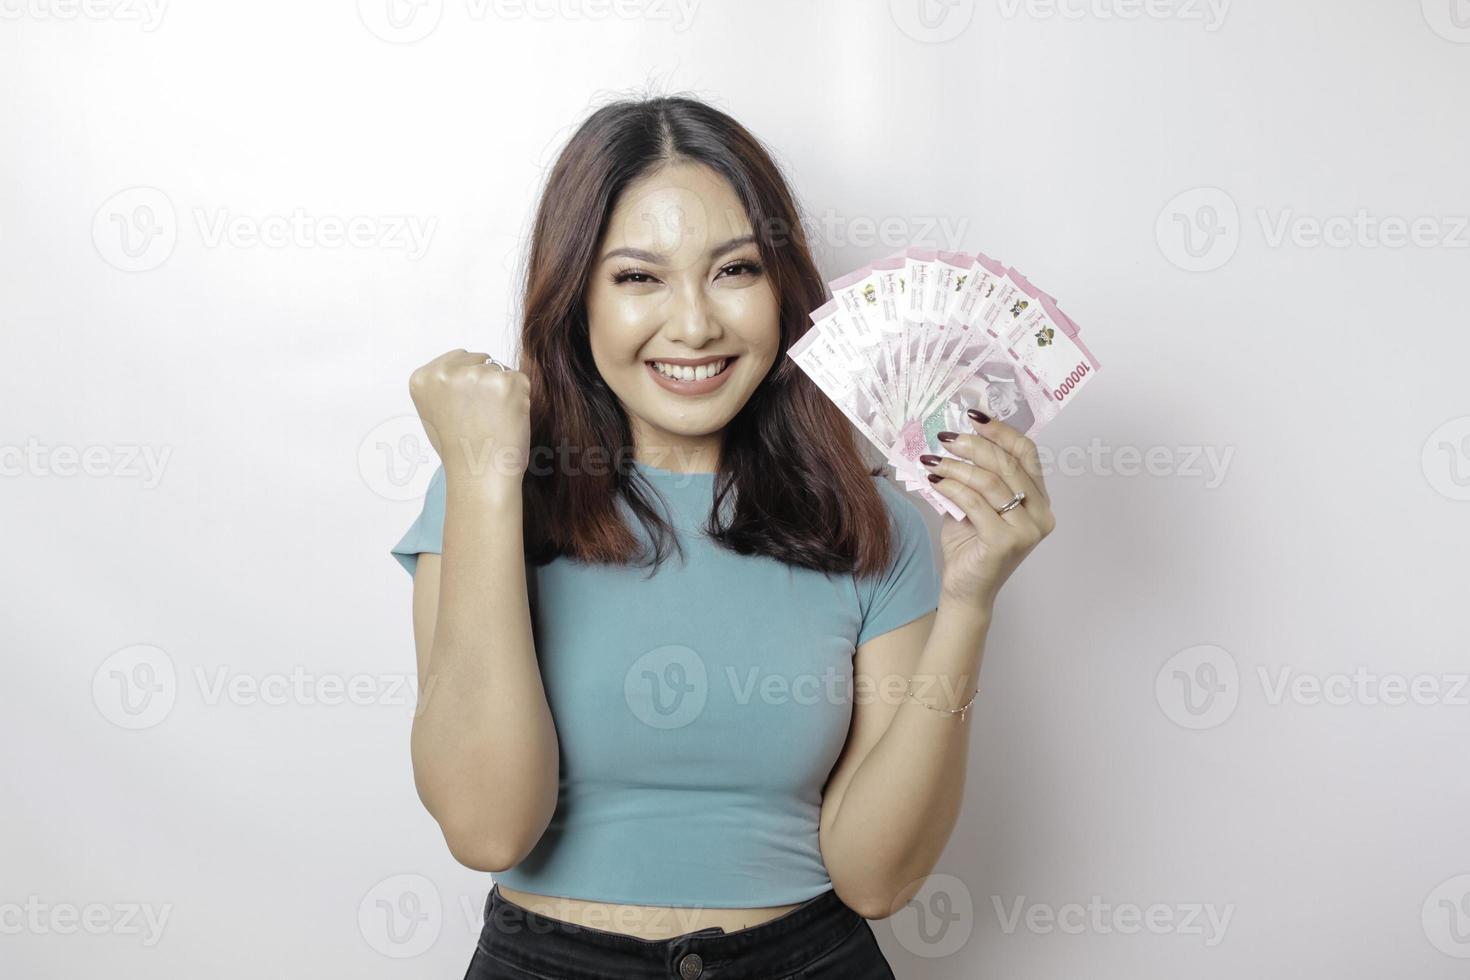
[477, 417]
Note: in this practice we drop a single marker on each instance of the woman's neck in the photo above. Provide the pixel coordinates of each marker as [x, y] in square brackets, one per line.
[680, 459]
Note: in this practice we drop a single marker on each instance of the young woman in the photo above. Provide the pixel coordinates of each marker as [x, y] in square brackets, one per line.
[693, 687]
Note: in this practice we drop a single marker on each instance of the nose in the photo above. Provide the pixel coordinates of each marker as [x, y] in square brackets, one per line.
[690, 319]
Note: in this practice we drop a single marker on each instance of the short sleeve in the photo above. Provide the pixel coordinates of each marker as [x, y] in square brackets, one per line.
[427, 532]
[909, 587]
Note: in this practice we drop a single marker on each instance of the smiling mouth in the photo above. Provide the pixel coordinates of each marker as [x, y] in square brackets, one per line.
[686, 372]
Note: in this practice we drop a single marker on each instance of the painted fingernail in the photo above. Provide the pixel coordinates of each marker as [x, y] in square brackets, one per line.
[946, 436]
[935, 477]
[929, 460]
[977, 415]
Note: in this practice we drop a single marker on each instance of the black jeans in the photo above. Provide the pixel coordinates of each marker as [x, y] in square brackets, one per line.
[821, 939]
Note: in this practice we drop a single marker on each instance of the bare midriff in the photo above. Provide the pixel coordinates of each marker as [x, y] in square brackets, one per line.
[654, 922]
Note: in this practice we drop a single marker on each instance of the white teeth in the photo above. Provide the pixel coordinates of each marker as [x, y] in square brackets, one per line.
[687, 373]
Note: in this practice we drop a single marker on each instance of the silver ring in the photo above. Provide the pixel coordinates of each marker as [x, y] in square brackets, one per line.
[1014, 502]
[497, 363]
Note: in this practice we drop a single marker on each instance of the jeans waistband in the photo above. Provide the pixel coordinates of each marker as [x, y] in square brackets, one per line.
[554, 947]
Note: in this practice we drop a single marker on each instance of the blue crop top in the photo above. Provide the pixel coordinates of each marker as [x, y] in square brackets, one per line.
[699, 711]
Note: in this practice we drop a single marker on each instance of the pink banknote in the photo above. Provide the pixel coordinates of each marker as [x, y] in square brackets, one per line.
[911, 341]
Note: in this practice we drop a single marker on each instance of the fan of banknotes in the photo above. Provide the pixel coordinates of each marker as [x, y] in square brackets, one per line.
[910, 342]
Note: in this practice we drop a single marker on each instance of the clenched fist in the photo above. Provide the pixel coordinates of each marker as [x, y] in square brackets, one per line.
[477, 416]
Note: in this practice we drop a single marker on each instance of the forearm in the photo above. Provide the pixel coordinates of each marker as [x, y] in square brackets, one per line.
[902, 803]
[484, 745]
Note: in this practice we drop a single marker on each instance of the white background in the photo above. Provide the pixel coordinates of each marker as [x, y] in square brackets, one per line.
[1137, 160]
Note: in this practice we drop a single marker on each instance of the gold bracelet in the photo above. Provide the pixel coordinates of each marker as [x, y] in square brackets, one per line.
[949, 711]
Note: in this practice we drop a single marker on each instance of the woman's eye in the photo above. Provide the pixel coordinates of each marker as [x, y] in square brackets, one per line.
[745, 265]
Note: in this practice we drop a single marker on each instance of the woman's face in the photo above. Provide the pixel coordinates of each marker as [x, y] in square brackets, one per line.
[677, 281]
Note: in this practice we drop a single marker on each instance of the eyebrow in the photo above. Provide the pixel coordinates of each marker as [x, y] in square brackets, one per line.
[645, 256]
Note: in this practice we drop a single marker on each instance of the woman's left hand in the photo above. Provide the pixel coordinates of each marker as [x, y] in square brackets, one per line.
[980, 553]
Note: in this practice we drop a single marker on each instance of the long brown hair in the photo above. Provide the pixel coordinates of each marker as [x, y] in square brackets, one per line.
[802, 492]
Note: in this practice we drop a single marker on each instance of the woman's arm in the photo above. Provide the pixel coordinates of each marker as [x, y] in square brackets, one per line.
[894, 796]
[895, 792]
[484, 746]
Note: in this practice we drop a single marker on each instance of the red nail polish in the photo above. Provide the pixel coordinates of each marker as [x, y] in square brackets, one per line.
[929, 460]
[946, 436]
[977, 415]
[935, 477]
